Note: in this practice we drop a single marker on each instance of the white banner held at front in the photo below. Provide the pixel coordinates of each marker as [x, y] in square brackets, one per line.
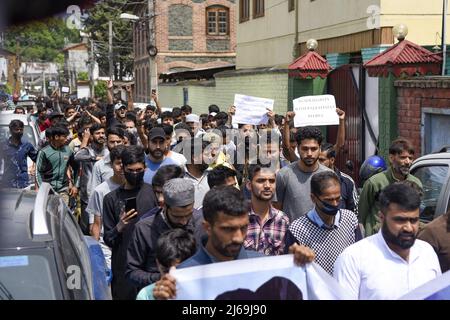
[251, 110]
[315, 111]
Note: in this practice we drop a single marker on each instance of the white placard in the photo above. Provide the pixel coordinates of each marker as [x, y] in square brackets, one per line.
[65, 90]
[52, 83]
[251, 110]
[315, 111]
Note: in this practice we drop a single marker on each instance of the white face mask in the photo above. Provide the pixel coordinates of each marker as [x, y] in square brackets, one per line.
[132, 130]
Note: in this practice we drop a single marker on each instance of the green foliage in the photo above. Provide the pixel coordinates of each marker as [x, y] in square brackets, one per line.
[97, 25]
[100, 90]
[41, 40]
[83, 76]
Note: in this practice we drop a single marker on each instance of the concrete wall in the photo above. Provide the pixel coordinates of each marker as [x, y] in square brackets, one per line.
[273, 85]
[269, 40]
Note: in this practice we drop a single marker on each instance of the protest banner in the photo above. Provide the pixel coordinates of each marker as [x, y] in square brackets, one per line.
[315, 111]
[251, 110]
[437, 289]
[265, 278]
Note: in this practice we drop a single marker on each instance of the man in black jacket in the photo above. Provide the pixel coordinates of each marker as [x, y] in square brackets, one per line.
[119, 218]
[178, 212]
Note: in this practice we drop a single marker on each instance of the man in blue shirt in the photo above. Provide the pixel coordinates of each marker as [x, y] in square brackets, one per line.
[14, 153]
[226, 219]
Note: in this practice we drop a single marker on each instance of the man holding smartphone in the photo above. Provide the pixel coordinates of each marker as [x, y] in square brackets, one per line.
[118, 222]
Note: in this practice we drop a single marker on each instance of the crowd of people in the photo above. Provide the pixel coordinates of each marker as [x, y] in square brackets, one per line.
[174, 189]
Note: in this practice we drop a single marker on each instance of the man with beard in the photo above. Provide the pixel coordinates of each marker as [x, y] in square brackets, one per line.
[196, 169]
[14, 156]
[121, 209]
[294, 180]
[392, 262]
[157, 147]
[327, 229]
[226, 221]
[178, 212]
[92, 149]
[268, 226]
[401, 154]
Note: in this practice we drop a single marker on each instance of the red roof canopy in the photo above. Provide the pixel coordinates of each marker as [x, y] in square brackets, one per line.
[309, 65]
[404, 57]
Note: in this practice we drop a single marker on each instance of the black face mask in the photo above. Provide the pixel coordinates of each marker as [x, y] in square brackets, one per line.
[328, 209]
[134, 178]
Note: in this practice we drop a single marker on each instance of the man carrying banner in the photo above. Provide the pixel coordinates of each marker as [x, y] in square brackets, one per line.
[327, 229]
[392, 262]
[226, 221]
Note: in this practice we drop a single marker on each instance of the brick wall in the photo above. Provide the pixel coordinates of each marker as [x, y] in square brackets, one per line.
[412, 96]
[190, 38]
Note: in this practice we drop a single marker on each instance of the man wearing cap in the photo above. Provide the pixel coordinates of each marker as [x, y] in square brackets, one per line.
[156, 153]
[177, 212]
[115, 113]
[193, 121]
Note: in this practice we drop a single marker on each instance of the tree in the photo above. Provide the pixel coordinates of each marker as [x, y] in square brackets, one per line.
[97, 25]
[40, 40]
[100, 90]
[83, 76]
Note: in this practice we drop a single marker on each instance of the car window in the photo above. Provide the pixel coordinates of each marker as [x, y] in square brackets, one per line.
[432, 178]
[26, 277]
[27, 134]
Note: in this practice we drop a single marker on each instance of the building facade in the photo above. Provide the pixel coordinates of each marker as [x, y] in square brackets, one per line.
[188, 35]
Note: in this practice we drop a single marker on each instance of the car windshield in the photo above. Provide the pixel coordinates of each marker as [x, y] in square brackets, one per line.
[25, 277]
[27, 134]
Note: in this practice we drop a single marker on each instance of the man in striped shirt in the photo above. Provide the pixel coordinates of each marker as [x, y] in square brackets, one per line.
[268, 226]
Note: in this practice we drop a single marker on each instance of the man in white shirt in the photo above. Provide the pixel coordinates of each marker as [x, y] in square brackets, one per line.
[389, 264]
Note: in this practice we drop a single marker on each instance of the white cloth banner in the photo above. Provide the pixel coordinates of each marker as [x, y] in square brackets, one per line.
[265, 278]
[437, 289]
[315, 111]
[251, 110]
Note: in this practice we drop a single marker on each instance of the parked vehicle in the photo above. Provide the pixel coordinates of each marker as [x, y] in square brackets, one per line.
[43, 254]
[433, 170]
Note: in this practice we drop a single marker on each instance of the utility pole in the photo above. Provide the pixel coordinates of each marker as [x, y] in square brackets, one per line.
[44, 88]
[444, 31]
[91, 67]
[16, 86]
[111, 65]
[151, 39]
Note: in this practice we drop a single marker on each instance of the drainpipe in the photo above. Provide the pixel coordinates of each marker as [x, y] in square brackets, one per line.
[444, 27]
[296, 49]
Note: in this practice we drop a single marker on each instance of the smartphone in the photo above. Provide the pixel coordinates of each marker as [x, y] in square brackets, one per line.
[130, 203]
[153, 91]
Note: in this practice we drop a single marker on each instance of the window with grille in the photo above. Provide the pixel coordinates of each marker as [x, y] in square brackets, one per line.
[258, 8]
[217, 21]
[244, 10]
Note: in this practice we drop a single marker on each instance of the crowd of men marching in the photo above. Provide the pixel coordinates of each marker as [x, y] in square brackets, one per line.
[174, 189]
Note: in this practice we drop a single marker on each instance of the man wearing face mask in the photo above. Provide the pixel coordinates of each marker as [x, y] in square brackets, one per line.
[118, 223]
[178, 212]
[326, 229]
[401, 156]
[14, 155]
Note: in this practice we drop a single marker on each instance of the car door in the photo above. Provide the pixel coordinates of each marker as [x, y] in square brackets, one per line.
[435, 177]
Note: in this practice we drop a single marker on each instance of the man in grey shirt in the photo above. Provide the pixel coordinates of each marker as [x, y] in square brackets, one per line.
[294, 180]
